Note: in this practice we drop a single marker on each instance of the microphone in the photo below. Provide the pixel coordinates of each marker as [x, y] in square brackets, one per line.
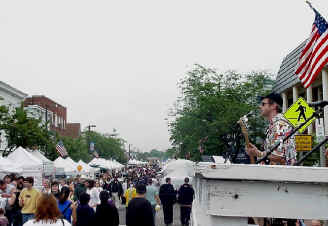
[249, 114]
[245, 117]
[321, 103]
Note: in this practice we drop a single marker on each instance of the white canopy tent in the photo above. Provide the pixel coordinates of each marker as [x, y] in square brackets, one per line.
[87, 170]
[106, 164]
[69, 166]
[31, 165]
[136, 162]
[25, 159]
[48, 166]
[8, 166]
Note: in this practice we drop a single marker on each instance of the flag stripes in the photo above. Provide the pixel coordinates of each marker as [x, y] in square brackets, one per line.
[315, 53]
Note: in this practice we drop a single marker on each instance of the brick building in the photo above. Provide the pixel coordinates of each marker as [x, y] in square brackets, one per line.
[42, 107]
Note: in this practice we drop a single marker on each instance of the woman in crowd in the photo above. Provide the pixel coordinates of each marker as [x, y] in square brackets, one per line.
[94, 194]
[106, 214]
[64, 204]
[71, 191]
[46, 187]
[15, 209]
[55, 189]
[83, 214]
[7, 179]
[47, 213]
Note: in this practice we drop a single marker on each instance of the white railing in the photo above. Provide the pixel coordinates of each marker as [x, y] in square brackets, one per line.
[229, 194]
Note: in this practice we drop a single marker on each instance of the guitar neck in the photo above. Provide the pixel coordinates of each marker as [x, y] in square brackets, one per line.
[245, 134]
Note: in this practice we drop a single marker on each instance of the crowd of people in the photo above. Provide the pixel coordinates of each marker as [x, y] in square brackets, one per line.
[80, 201]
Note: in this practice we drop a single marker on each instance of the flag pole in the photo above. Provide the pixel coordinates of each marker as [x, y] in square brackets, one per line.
[310, 5]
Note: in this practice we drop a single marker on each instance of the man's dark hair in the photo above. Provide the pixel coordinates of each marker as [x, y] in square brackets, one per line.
[84, 198]
[186, 180]
[91, 183]
[279, 108]
[29, 180]
[21, 177]
[54, 183]
[2, 182]
[167, 180]
[64, 193]
[141, 188]
[104, 196]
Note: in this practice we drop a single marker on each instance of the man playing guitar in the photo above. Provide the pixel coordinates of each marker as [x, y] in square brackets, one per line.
[277, 130]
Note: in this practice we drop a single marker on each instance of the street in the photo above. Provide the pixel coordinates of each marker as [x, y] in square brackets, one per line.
[159, 216]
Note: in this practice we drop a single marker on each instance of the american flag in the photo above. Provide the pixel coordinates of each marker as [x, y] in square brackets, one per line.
[315, 54]
[61, 149]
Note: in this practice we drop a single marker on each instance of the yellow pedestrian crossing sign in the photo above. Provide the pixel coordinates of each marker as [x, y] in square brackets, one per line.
[298, 113]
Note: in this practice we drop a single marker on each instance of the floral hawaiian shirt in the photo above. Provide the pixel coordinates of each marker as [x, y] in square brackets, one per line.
[277, 130]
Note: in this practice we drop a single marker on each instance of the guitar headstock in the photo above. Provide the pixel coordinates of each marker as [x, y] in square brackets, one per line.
[244, 127]
[243, 122]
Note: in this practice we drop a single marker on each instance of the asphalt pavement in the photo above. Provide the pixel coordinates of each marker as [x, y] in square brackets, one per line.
[159, 216]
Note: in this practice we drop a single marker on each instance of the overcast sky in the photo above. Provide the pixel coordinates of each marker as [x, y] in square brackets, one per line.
[116, 64]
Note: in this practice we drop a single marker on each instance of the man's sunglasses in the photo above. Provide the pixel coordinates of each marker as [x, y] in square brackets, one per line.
[262, 104]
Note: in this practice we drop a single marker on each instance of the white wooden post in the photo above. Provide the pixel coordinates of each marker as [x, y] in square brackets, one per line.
[325, 97]
[229, 194]
[285, 102]
[295, 94]
[309, 98]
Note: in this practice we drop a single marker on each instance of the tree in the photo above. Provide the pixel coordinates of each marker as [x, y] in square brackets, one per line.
[22, 131]
[107, 146]
[209, 107]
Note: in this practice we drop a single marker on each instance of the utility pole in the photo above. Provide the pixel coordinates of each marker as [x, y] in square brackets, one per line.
[46, 117]
[129, 151]
[89, 130]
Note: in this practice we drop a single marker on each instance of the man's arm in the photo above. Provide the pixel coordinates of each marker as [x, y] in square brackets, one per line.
[252, 150]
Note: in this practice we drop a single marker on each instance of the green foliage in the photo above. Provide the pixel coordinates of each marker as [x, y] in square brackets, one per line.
[22, 131]
[107, 146]
[30, 133]
[210, 105]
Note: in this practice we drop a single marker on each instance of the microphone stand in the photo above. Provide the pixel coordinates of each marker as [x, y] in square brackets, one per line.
[315, 114]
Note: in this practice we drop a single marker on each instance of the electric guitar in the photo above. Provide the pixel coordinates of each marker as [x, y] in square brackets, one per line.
[244, 129]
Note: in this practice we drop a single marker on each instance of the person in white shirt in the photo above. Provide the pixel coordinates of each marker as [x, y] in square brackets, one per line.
[98, 186]
[94, 194]
[47, 213]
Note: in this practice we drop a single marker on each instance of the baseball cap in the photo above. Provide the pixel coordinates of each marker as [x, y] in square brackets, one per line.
[273, 96]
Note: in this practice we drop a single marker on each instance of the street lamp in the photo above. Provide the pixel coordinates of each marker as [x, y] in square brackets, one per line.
[89, 130]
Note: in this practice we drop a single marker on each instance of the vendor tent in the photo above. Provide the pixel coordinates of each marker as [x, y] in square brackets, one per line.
[136, 162]
[31, 165]
[48, 166]
[69, 167]
[87, 170]
[25, 159]
[106, 164]
[8, 166]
